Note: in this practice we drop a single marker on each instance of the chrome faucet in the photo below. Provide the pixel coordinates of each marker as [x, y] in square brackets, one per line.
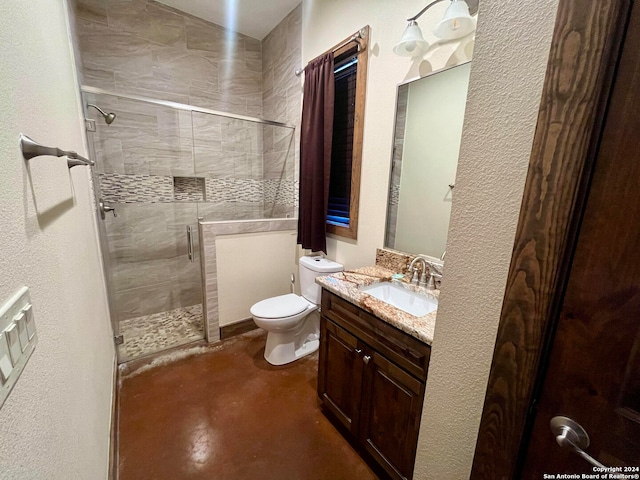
[423, 277]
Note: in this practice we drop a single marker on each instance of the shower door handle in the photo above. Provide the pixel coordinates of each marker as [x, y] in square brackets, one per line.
[189, 243]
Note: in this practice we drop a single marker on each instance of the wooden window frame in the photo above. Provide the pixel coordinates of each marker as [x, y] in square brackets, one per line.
[351, 231]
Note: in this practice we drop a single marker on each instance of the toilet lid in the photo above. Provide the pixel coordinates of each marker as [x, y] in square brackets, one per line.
[279, 307]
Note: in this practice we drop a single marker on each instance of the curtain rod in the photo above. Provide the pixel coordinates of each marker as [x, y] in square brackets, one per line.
[360, 34]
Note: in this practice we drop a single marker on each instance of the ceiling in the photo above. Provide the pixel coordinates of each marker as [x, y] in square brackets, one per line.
[255, 18]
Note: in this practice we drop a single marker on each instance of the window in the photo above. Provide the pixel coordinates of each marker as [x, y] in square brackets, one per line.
[345, 71]
[350, 69]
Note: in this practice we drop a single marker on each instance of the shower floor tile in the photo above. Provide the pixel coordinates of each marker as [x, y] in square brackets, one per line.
[222, 412]
[153, 333]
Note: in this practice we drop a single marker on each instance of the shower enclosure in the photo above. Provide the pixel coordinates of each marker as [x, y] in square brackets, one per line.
[160, 167]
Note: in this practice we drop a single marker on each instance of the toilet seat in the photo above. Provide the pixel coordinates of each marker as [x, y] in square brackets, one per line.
[280, 306]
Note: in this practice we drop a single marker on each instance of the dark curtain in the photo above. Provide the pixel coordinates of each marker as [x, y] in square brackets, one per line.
[315, 152]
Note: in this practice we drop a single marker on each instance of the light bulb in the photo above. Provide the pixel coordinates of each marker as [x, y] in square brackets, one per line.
[456, 23]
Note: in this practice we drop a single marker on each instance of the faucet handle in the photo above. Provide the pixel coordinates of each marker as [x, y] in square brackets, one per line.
[414, 277]
[431, 285]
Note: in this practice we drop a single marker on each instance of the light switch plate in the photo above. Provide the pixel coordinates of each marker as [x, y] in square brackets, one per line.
[18, 339]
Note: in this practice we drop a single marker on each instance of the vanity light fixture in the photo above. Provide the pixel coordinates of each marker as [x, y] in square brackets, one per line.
[456, 23]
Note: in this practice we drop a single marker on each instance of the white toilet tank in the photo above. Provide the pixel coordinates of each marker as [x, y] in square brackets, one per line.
[310, 268]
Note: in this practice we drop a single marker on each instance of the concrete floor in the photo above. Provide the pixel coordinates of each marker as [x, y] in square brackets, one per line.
[225, 413]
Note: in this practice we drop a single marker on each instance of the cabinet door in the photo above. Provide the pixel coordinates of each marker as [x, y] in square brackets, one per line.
[340, 373]
[390, 414]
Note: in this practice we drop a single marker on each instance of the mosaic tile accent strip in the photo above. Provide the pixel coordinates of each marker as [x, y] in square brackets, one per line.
[118, 188]
[280, 192]
[159, 331]
[394, 195]
[271, 190]
[189, 189]
[234, 190]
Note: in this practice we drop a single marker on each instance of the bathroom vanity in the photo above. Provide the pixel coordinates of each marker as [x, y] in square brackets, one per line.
[374, 357]
[372, 374]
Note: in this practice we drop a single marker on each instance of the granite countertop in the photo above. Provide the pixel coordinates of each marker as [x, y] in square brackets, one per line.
[345, 284]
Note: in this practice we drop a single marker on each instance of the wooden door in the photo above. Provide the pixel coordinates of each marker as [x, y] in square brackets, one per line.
[340, 373]
[593, 373]
[390, 416]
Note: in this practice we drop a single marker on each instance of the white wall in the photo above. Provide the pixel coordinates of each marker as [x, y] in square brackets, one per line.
[55, 424]
[504, 94]
[253, 267]
[508, 70]
[327, 22]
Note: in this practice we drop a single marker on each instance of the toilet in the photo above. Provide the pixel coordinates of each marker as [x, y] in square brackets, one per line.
[292, 322]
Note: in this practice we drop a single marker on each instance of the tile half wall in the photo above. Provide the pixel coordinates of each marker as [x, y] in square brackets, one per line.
[210, 277]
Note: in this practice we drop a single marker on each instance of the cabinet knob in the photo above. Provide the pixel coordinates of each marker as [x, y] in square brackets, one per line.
[358, 351]
[366, 358]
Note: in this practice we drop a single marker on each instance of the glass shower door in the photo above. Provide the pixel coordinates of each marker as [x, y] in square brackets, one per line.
[155, 278]
[144, 161]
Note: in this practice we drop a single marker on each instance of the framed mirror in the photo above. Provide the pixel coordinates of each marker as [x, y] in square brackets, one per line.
[428, 130]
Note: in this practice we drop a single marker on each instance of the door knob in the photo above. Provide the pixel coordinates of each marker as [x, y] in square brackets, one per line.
[104, 209]
[358, 351]
[570, 434]
[366, 358]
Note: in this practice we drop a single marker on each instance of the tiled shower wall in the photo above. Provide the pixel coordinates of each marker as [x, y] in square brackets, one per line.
[282, 100]
[161, 175]
[163, 168]
[142, 47]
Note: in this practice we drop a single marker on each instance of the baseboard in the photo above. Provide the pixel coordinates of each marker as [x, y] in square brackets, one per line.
[238, 328]
[113, 435]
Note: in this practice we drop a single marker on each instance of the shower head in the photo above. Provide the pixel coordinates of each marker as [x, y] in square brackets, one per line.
[108, 117]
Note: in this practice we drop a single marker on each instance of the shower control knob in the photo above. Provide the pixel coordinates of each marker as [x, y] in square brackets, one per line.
[104, 209]
[110, 210]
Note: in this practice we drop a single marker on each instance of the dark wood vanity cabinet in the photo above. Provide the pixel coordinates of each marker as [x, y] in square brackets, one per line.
[371, 377]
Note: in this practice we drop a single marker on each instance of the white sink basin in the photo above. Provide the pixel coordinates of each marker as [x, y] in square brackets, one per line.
[402, 298]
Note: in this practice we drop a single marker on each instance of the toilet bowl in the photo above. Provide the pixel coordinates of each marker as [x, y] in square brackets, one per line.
[292, 321]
